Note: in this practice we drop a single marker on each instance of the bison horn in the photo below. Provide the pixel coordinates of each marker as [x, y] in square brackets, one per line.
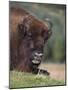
[48, 23]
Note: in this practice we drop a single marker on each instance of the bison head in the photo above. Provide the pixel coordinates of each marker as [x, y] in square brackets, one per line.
[34, 35]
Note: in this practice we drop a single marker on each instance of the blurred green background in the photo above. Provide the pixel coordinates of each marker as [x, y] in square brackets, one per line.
[55, 48]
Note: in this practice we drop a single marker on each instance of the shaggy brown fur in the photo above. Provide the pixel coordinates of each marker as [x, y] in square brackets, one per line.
[27, 34]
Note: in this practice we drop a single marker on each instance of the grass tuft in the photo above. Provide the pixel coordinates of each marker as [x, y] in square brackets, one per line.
[21, 79]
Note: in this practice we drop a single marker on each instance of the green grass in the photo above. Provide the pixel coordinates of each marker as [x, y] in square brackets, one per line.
[21, 79]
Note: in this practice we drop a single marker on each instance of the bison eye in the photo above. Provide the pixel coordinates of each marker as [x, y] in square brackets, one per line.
[45, 35]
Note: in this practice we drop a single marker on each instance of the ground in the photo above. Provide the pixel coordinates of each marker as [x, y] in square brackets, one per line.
[57, 71]
[21, 79]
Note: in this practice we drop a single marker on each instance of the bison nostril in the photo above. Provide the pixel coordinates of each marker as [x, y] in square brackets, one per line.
[39, 54]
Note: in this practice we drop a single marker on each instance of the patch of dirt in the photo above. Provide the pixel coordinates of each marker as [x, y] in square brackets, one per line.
[57, 71]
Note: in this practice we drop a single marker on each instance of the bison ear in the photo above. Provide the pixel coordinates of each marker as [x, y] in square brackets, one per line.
[27, 22]
[21, 29]
[24, 25]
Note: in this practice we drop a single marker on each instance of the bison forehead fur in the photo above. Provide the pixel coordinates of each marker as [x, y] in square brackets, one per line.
[27, 36]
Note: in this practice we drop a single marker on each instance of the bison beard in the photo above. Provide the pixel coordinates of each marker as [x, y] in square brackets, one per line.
[27, 38]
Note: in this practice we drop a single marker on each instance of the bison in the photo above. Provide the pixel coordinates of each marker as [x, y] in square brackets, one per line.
[27, 37]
